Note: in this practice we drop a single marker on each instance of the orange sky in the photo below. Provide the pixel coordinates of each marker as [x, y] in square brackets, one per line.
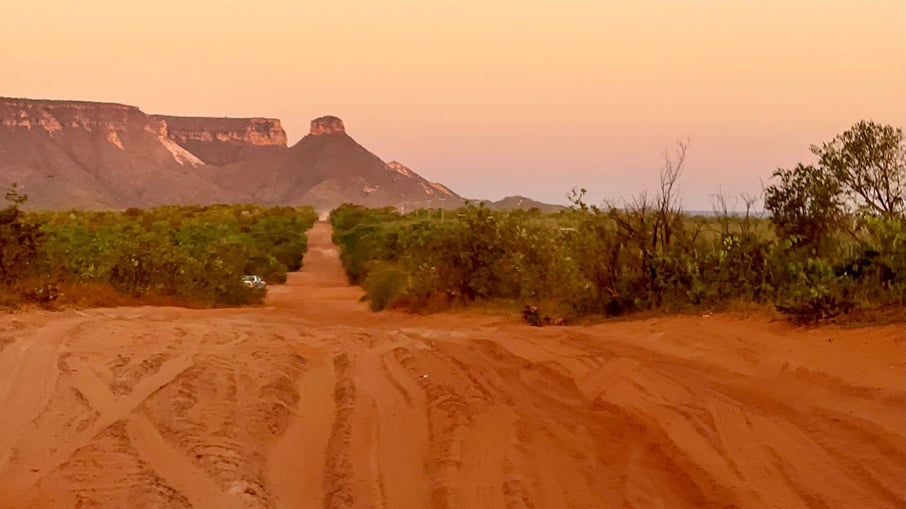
[530, 97]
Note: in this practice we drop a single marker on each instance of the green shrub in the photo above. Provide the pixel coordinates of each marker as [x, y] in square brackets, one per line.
[384, 285]
[813, 292]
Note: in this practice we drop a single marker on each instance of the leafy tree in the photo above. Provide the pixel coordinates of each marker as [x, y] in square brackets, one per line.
[805, 205]
[869, 160]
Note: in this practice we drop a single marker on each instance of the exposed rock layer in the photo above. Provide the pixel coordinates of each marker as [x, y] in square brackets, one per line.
[327, 125]
[254, 131]
[221, 141]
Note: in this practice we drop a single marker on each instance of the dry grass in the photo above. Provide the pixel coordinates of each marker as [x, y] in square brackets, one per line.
[887, 315]
[81, 296]
[98, 295]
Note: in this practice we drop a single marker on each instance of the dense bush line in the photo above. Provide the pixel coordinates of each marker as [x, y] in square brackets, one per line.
[807, 260]
[195, 255]
[603, 261]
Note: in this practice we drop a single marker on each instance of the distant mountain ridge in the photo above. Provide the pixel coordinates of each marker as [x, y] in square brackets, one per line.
[92, 155]
[521, 202]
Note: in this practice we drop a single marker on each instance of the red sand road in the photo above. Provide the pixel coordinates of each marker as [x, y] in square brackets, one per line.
[312, 401]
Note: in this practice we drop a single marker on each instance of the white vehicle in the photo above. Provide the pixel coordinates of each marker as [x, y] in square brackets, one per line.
[253, 282]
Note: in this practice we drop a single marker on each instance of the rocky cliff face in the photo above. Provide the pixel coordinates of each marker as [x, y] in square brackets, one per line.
[327, 125]
[54, 116]
[96, 155]
[253, 131]
[222, 141]
[432, 190]
[114, 123]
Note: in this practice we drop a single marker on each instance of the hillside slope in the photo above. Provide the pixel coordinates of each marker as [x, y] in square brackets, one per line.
[97, 155]
[328, 167]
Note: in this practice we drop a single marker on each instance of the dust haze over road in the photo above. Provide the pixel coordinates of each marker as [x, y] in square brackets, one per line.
[312, 401]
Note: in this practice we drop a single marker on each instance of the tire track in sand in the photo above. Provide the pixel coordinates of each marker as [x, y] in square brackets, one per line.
[453, 400]
[339, 482]
[95, 390]
[295, 466]
[29, 374]
[173, 467]
[395, 430]
[223, 414]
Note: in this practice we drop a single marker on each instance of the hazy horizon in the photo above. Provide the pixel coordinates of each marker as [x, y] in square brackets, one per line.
[529, 98]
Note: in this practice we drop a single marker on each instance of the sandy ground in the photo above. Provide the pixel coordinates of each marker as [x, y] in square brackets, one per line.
[312, 401]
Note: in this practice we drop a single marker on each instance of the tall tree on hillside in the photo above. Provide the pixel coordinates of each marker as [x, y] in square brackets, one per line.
[869, 160]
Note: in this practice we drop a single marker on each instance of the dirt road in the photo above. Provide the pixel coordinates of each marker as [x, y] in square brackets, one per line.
[312, 401]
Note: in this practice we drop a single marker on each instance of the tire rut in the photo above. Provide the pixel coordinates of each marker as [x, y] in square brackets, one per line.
[339, 490]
